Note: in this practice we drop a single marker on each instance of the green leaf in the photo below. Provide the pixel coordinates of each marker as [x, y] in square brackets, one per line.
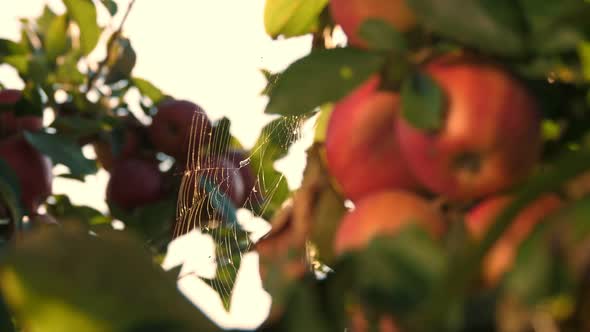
[400, 273]
[67, 72]
[56, 42]
[62, 209]
[31, 102]
[62, 151]
[556, 27]
[584, 53]
[111, 6]
[120, 61]
[149, 90]
[292, 18]
[539, 271]
[76, 126]
[302, 86]
[423, 102]
[492, 26]
[84, 13]
[304, 302]
[110, 284]
[382, 36]
[6, 323]
[8, 47]
[45, 20]
[19, 62]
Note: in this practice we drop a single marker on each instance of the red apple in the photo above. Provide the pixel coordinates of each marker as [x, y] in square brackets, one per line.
[32, 169]
[177, 123]
[384, 214]
[9, 122]
[502, 255]
[135, 182]
[362, 150]
[350, 14]
[490, 138]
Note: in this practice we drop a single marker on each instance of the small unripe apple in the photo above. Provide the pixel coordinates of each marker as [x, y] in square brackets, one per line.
[32, 168]
[177, 123]
[350, 14]
[385, 214]
[490, 138]
[502, 255]
[11, 124]
[362, 150]
[134, 183]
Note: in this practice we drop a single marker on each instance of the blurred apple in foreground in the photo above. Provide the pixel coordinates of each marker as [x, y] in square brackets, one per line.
[9, 122]
[350, 14]
[385, 214]
[177, 123]
[490, 138]
[362, 150]
[502, 255]
[32, 169]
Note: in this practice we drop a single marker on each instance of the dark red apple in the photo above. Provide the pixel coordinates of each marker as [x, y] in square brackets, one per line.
[177, 123]
[362, 149]
[240, 160]
[226, 177]
[11, 124]
[350, 14]
[134, 183]
[34, 170]
[490, 138]
[384, 214]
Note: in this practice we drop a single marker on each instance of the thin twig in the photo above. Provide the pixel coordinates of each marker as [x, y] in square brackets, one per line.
[93, 77]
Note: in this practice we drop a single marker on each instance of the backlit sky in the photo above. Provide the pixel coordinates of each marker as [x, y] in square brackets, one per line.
[206, 51]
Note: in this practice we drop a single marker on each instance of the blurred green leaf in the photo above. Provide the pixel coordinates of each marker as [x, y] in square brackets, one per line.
[63, 151]
[493, 26]
[111, 6]
[37, 69]
[382, 36]
[6, 323]
[67, 72]
[149, 90]
[556, 27]
[120, 60]
[399, 274]
[8, 47]
[292, 18]
[584, 52]
[63, 210]
[76, 126]
[45, 20]
[423, 102]
[19, 62]
[539, 270]
[302, 86]
[31, 102]
[107, 283]
[56, 41]
[83, 12]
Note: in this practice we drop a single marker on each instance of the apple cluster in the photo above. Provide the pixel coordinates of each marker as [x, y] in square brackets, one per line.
[397, 173]
[182, 130]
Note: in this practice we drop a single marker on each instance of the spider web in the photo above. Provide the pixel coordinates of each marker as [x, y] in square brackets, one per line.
[206, 201]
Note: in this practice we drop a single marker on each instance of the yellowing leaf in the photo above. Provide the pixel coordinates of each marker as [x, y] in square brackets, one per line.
[292, 18]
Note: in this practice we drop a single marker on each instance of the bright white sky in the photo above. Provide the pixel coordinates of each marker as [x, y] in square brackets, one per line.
[206, 51]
